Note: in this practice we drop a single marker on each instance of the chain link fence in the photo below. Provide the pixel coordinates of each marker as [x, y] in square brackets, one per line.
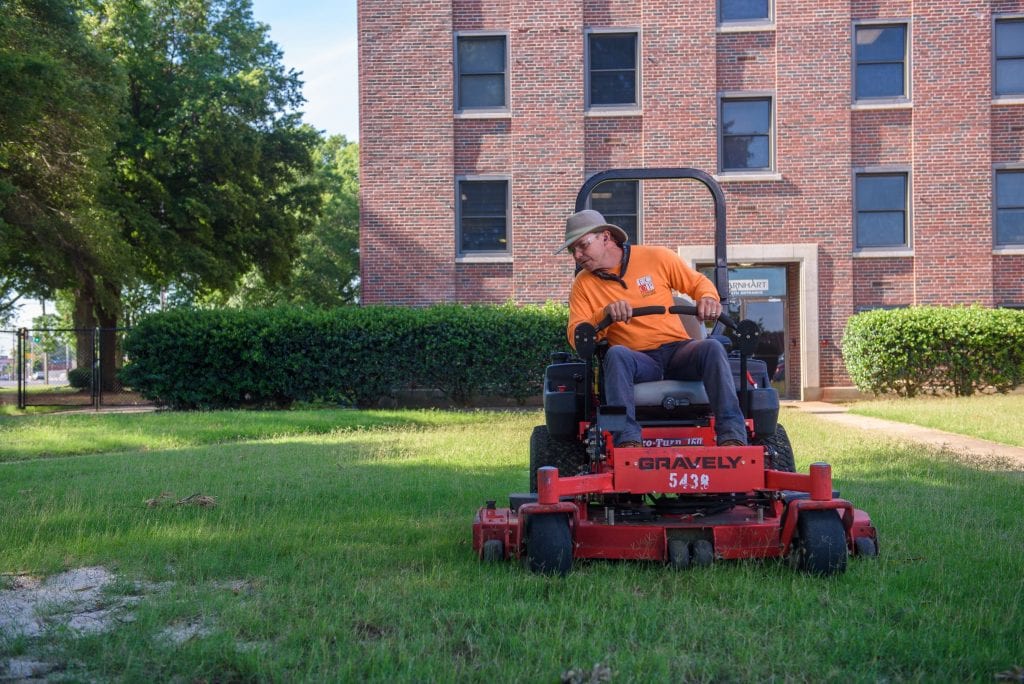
[64, 367]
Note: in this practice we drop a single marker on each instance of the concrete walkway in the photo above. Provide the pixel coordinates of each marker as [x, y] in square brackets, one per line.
[970, 446]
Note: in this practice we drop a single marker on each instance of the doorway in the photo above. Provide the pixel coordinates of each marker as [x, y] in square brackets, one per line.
[759, 294]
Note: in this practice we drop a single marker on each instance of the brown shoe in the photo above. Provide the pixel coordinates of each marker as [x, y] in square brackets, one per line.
[629, 445]
[732, 442]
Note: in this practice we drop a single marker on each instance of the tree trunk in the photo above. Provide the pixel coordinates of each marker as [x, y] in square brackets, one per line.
[84, 323]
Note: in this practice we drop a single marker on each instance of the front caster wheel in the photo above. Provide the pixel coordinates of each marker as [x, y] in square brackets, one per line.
[548, 543]
[678, 554]
[819, 547]
[703, 553]
[865, 546]
[493, 551]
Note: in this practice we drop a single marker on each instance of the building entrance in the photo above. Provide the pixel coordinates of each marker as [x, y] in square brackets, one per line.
[759, 294]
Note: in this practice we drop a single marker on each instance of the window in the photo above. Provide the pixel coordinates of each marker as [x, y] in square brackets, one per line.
[612, 73]
[481, 65]
[743, 11]
[1010, 208]
[881, 201]
[483, 216]
[745, 130]
[619, 203]
[881, 61]
[1009, 51]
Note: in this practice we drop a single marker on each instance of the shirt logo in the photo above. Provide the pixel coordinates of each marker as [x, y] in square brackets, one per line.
[646, 285]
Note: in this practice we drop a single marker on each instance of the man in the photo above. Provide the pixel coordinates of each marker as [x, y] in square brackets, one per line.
[615, 278]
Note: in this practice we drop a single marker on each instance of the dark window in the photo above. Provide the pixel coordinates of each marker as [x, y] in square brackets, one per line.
[619, 203]
[1010, 207]
[742, 10]
[881, 54]
[481, 72]
[1010, 57]
[483, 216]
[881, 210]
[612, 69]
[746, 134]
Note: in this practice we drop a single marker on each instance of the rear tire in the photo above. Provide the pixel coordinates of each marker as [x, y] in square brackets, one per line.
[569, 456]
[548, 543]
[778, 452]
[820, 545]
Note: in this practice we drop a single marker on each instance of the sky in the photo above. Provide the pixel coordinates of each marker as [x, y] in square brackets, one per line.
[318, 38]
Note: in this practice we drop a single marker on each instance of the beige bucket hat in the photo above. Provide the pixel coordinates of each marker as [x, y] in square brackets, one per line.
[588, 221]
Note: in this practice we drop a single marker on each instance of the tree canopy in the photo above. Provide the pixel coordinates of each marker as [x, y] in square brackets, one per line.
[61, 95]
[157, 145]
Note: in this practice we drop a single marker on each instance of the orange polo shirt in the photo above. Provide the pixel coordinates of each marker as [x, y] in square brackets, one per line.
[651, 276]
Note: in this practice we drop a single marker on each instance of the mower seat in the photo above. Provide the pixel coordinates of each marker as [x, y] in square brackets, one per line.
[670, 395]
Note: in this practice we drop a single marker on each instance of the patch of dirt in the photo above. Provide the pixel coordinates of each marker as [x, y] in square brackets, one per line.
[74, 599]
[179, 633]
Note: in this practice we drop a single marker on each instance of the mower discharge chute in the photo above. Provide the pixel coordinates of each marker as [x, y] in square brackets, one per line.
[679, 498]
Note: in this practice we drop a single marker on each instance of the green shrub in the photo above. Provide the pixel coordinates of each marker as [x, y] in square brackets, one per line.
[935, 350]
[80, 378]
[351, 356]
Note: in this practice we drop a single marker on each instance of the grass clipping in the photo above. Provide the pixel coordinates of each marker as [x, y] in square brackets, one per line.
[167, 498]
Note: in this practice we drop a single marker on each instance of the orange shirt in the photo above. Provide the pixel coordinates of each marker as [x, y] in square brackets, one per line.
[651, 276]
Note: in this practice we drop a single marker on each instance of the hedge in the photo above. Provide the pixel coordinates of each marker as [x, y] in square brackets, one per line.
[935, 350]
[356, 356]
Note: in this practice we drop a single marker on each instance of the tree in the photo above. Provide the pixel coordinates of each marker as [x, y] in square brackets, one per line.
[326, 272]
[211, 168]
[61, 94]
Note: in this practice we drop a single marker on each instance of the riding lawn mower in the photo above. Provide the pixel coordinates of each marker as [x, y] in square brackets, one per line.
[678, 498]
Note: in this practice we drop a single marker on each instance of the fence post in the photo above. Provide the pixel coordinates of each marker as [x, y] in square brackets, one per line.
[22, 336]
[96, 374]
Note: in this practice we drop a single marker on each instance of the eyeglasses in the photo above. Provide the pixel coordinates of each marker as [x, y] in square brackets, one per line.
[583, 244]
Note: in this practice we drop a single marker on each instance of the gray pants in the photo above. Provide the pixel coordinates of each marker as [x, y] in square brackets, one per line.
[703, 360]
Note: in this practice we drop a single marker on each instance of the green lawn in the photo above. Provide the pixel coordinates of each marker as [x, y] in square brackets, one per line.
[340, 550]
[995, 417]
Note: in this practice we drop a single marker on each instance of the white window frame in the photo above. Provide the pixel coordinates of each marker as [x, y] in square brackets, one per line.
[617, 109]
[888, 102]
[483, 255]
[479, 112]
[761, 173]
[906, 249]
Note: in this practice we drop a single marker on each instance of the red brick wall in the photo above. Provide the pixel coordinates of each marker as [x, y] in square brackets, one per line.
[952, 177]
[406, 161]
[413, 147]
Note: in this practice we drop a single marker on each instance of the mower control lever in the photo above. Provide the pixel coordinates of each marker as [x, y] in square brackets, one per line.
[685, 309]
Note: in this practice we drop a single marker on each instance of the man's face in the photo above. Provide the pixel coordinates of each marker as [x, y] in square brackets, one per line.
[590, 251]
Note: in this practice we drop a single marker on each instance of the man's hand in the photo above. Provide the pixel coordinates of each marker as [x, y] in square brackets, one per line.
[620, 311]
[708, 309]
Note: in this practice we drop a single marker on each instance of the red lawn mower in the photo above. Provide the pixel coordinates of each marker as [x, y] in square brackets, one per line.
[679, 498]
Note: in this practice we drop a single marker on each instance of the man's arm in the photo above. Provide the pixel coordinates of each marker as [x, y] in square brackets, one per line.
[581, 310]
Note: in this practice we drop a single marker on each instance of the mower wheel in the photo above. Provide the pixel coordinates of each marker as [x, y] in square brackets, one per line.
[820, 545]
[703, 553]
[569, 456]
[778, 452]
[678, 554]
[493, 551]
[548, 543]
[865, 546]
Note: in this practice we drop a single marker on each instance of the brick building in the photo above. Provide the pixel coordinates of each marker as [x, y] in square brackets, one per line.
[871, 151]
